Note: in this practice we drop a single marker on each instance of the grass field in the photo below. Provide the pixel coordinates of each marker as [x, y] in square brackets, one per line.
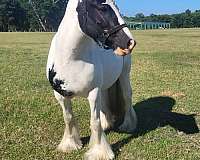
[166, 95]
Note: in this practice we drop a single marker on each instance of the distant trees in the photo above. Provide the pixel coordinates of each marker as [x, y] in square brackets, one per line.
[12, 16]
[139, 15]
[187, 19]
[45, 15]
[31, 15]
[196, 19]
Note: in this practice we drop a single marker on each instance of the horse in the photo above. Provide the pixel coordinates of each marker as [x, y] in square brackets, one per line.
[90, 57]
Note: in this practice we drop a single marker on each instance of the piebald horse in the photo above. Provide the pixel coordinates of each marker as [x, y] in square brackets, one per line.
[90, 57]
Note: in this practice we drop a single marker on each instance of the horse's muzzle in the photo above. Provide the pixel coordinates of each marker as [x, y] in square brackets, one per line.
[123, 52]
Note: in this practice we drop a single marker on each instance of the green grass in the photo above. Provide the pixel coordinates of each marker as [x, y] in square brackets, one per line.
[166, 94]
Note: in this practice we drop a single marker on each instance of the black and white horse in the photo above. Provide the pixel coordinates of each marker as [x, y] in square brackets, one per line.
[90, 57]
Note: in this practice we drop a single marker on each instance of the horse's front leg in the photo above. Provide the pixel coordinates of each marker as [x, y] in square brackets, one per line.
[71, 140]
[99, 147]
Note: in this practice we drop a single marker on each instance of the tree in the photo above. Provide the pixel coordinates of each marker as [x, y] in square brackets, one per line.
[188, 12]
[139, 15]
[37, 16]
[12, 16]
[55, 14]
[46, 14]
[196, 19]
[3, 18]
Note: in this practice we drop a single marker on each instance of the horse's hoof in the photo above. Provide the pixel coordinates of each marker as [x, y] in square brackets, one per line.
[69, 145]
[98, 155]
[130, 122]
[100, 152]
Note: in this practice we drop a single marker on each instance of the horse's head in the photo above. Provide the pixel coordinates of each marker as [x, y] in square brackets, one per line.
[101, 20]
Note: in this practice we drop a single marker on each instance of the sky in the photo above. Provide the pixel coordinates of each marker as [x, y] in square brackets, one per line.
[132, 7]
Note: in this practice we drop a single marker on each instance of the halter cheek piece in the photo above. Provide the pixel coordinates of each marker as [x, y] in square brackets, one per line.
[102, 37]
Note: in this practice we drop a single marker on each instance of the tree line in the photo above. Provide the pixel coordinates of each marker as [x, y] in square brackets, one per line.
[31, 15]
[186, 19]
[45, 15]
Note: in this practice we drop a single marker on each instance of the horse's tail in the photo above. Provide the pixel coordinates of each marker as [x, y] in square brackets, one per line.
[116, 104]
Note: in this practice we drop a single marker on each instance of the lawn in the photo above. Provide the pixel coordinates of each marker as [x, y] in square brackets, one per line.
[165, 79]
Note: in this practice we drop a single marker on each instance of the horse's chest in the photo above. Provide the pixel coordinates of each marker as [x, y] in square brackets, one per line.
[79, 77]
[74, 78]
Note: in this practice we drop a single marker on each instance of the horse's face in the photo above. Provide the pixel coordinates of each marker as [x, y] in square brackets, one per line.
[101, 20]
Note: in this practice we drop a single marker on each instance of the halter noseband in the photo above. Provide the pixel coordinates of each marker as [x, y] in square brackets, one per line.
[107, 33]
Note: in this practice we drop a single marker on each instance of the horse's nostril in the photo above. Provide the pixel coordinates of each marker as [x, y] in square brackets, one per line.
[131, 44]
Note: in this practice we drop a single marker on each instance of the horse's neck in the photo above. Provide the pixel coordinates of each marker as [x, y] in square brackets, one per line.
[70, 40]
[70, 13]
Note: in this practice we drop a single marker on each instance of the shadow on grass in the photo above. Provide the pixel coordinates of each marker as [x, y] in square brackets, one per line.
[157, 112]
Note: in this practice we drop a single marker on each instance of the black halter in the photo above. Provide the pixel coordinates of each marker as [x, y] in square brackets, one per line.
[107, 33]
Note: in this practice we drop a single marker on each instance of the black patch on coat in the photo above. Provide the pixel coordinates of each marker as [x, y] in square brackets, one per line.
[56, 84]
[95, 18]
